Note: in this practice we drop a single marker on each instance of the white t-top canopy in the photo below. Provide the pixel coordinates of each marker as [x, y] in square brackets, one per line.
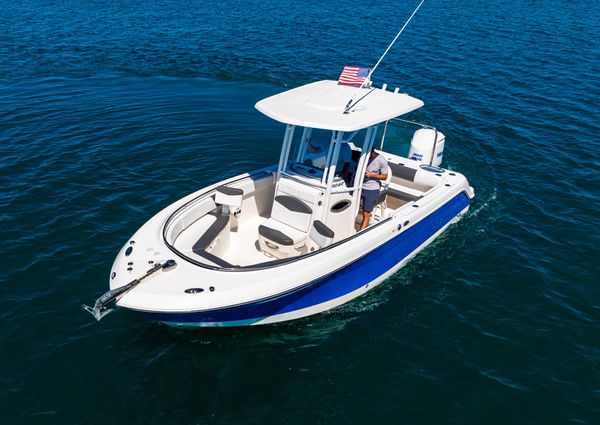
[322, 105]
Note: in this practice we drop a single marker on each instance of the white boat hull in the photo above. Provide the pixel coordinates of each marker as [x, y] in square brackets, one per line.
[319, 291]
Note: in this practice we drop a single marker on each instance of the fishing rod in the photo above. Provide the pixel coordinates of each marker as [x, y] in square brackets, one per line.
[390, 46]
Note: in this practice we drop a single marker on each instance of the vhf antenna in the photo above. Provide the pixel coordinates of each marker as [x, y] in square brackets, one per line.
[390, 46]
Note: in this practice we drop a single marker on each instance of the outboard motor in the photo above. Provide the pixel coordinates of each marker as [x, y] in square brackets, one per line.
[422, 146]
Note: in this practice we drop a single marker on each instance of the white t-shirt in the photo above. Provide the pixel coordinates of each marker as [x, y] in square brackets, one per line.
[376, 165]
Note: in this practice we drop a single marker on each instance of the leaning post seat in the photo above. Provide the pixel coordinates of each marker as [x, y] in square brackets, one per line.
[383, 190]
[285, 232]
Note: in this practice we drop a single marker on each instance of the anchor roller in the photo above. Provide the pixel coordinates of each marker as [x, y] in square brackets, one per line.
[99, 310]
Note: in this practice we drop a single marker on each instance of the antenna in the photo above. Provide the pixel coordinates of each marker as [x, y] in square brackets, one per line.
[390, 46]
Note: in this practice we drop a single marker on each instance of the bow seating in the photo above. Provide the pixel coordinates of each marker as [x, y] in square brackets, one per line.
[285, 232]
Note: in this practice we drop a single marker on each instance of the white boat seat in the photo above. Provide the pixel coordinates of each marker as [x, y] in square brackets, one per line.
[230, 199]
[386, 183]
[285, 232]
[292, 211]
[208, 237]
[404, 194]
[381, 204]
[211, 233]
[281, 233]
[321, 234]
[230, 196]
[382, 195]
[402, 171]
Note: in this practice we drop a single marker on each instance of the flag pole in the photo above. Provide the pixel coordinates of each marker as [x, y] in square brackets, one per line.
[390, 46]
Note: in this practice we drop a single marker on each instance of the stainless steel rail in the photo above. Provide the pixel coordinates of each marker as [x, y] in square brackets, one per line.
[418, 124]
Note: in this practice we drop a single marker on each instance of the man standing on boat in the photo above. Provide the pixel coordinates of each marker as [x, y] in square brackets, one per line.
[377, 171]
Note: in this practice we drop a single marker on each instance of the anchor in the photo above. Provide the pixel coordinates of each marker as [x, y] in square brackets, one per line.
[100, 308]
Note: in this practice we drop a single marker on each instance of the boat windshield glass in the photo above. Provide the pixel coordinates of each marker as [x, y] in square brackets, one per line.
[308, 153]
[310, 150]
[314, 149]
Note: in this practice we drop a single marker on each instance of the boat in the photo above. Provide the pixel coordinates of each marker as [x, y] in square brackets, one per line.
[292, 240]
[284, 242]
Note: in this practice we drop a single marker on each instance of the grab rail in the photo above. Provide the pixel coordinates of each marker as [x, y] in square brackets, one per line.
[435, 139]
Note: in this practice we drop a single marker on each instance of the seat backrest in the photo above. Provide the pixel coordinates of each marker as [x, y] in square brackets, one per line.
[189, 217]
[402, 171]
[230, 196]
[321, 234]
[388, 180]
[308, 195]
[384, 186]
[197, 211]
[292, 211]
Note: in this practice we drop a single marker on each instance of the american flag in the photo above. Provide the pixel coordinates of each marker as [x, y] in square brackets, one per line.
[353, 76]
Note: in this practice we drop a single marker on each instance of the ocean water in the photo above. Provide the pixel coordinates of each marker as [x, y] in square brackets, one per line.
[111, 110]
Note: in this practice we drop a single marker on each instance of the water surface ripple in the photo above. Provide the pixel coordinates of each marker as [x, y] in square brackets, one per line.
[111, 110]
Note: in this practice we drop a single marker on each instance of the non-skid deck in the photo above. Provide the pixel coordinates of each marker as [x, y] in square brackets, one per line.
[238, 245]
[242, 249]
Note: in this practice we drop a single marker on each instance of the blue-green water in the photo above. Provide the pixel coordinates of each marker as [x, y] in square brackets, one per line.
[110, 110]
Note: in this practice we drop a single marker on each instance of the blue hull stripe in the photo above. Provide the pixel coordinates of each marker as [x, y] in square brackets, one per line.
[341, 282]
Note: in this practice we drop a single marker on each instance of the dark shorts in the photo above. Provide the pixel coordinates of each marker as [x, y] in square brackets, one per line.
[369, 199]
